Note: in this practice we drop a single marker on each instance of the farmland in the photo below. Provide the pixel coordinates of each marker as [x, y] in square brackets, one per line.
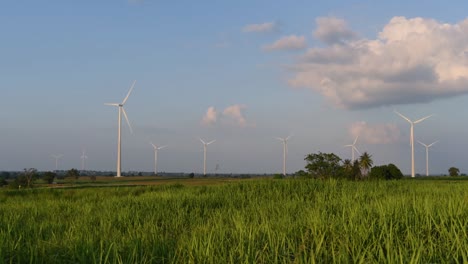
[238, 221]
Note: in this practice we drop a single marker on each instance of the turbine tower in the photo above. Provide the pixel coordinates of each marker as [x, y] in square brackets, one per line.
[412, 137]
[57, 157]
[121, 110]
[285, 151]
[83, 159]
[156, 148]
[427, 154]
[353, 148]
[204, 153]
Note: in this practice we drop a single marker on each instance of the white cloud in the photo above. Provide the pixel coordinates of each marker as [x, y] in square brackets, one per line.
[210, 117]
[375, 134]
[412, 61]
[264, 27]
[292, 42]
[233, 114]
[332, 30]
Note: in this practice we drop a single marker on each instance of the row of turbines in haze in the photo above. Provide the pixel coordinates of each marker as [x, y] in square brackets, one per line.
[121, 111]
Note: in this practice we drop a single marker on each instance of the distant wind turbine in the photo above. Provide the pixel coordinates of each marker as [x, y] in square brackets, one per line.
[353, 148]
[204, 153]
[427, 154]
[285, 151]
[121, 110]
[83, 159]
[156, 148]
[57, 157]
[412, 137]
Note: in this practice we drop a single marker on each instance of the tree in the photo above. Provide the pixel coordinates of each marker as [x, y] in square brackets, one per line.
[3, 182]
[453, 171]
[73, 173]
[323, 165]
[25, 178]
[365, 162]
[49, 176]
[301, 174]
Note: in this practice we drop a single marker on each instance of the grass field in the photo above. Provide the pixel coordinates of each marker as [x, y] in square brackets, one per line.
[238, 221]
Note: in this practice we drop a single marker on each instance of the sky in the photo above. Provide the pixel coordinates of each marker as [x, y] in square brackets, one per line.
[241, 72]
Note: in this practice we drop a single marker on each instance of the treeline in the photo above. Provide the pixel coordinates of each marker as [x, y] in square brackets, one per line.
[329, 165]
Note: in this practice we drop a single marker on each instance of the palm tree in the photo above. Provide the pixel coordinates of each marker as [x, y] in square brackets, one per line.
[347, 165]
[365, 162]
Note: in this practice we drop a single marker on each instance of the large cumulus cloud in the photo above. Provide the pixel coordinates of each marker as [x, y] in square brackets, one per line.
[411, 61]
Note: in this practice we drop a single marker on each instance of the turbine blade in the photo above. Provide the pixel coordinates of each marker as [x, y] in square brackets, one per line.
[162, 147]
[348, 145]
[402, 116]
[126, 119]
[356, 140]
[290, 136]
[422, 119]
[203, 142]
[111, 104]
[354, 147]
[278, 138]
[154, 146]
[212, 141]
[422, 143]
[129, 92]
[433, 143]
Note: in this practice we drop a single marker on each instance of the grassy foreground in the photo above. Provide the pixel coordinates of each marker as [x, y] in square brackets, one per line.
[256, 221]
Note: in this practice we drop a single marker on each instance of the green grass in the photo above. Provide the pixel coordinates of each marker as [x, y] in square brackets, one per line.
[254, 221]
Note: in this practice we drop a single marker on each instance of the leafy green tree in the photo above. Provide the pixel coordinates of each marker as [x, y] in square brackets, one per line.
[453, 171]
[3, 182]
[25, 179]
[356, 172]
[365, 162]
[323, 165]
[73, 173]
[49, 176]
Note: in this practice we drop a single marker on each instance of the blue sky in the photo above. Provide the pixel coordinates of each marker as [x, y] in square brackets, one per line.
[322, 72]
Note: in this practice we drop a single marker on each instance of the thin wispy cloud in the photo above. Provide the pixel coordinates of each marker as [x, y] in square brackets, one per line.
[375, 133]
[412, 61]
[261, 28]
[292, 42]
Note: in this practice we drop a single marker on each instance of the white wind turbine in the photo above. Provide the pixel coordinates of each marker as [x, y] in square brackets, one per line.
[427, 154]
[57, 157]
[121, 110]
[412, 137]
[156, 148]
[205, 144]
[83, 159]
[353, 148]
[285, 151]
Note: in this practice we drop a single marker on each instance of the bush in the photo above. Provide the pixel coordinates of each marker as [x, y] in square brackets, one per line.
[278, 176]
[386, 172]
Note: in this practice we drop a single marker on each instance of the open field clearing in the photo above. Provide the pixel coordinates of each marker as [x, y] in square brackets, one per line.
[239, 221]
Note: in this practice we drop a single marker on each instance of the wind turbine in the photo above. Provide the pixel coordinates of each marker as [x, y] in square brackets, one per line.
[156, 148]
[412, 136]
[353, 148]
[121, 110]
[285, 151]
[56, 157]
[83, 159]
[427, 154]
[204, 153]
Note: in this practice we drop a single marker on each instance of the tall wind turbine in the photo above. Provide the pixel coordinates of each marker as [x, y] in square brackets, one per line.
[427, 154]
[156, 148]
[353, 148]
[121, 110]
[83, 159]
[56, 157]
[205, 144]
[285, 151]
[412, 137]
